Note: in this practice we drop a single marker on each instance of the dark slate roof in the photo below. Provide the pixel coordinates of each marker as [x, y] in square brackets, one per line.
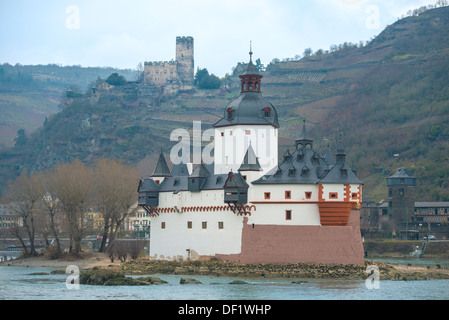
[304, 136]
[250, 161]
[401, 173]
[176, 184]
[235, 180]
[251, 69]
[249, 109]
[340, 173]
[180, 170]
[434, 204]
[161, 169]
[329, 157]
[200, 171]
[401, 177]
[305, 166]
[148, 185]
[215, 182]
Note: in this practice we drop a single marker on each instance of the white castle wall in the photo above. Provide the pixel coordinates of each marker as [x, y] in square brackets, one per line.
[231, 144]
[178, 241]
[339, 191]
[273, 211]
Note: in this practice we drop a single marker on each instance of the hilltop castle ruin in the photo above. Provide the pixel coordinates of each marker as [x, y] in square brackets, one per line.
[177, 74]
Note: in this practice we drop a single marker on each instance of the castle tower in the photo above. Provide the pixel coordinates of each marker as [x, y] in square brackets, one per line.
[161, 171]
[185, 61]
[304, 140]
[401, 198]
[248, 120]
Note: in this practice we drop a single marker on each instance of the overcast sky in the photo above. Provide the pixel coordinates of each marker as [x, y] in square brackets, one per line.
[123, 33]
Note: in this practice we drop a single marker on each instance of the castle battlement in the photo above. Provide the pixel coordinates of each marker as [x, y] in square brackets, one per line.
[160, 63]
[180, 71]
[184, 39]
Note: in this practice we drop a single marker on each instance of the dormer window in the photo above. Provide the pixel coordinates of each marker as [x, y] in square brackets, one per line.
[291, 172]
[344, 172]
[267, 112]
[287, 156]
[278, 172]
[230, 114]
[304, 171]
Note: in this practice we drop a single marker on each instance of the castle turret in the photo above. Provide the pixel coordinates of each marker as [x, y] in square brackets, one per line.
[235, 190]
[304, 140]
[197, 178]
[185, 61]
[401, 198]
[249, 119]
[148, 192]
[250, 168]
[161, 171]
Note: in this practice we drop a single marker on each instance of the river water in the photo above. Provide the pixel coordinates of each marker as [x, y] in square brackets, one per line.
[22, 283]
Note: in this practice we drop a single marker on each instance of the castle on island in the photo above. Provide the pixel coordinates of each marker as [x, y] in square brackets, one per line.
[245, 206]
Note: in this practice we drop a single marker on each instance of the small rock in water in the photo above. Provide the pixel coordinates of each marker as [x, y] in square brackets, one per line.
[189, 281]
[238, 282]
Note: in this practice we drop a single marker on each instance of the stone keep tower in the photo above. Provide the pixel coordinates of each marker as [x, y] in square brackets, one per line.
[185, 61]
[401, 198]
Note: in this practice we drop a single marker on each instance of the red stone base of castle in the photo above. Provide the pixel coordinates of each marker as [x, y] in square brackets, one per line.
[301, 244]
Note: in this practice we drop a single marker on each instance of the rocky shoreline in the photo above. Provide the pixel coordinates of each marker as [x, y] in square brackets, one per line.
[295, 270]
[101, 265]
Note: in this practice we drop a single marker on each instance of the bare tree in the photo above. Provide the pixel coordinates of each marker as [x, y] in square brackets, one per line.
[127, 197]
[72, 187]
[17, 231]
[115, 194]
[105, 194]
[140, 71]
[50, 205]
[23, 195]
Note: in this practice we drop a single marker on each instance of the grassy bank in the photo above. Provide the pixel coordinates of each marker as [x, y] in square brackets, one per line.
[400, 248]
